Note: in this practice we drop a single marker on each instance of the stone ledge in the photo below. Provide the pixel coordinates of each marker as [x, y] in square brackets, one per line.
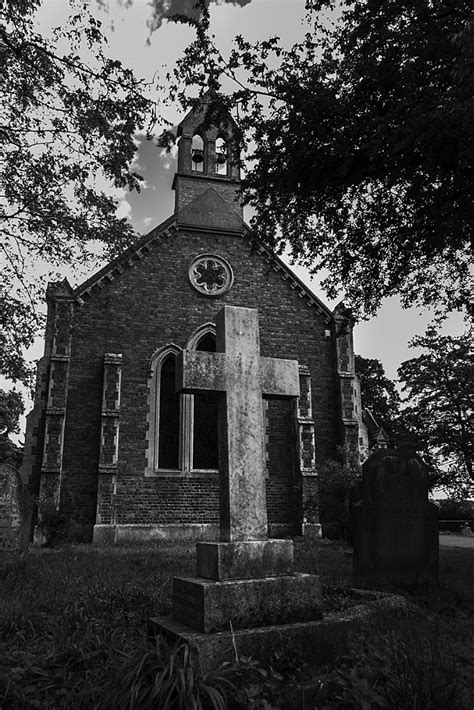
[106, 534]
[244, 560]
[210, 606]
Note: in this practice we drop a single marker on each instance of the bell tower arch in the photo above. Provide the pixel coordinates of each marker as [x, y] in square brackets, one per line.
[208, 175]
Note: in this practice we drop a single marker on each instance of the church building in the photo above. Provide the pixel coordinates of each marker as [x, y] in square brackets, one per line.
[111, 441]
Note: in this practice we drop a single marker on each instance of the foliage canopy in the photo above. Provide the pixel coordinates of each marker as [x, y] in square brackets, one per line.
[67, 122]
[378, 392]
[439, 404]
[360, 143]
[11, 408]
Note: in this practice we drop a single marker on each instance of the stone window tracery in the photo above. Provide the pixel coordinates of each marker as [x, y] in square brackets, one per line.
[211, 275]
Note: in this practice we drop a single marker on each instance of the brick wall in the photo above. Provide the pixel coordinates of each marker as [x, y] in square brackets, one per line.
[147, 306]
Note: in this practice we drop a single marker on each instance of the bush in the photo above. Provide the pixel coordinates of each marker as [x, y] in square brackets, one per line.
[55, 524]
[455, 509]
[336, 482]
[58, 525]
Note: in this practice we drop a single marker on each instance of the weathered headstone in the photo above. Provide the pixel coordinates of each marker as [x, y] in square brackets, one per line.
[394, 526]
[245, 580]
[14, 511]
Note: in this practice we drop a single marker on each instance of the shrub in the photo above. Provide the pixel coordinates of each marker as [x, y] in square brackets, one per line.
[336, 482]
[58, 525]
[455, 509]
[55, 524]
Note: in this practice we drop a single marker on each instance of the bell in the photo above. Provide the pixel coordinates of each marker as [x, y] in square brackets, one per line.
[197, 155]
[221, 158]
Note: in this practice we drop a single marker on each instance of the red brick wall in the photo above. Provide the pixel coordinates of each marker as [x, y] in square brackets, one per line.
[149, 305]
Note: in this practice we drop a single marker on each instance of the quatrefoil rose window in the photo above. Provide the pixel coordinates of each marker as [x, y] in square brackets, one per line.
[211, 274]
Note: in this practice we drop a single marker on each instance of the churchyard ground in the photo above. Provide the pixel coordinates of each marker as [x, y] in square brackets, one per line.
[74, 620]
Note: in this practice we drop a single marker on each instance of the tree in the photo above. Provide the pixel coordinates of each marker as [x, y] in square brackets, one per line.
[360, 144]
[378, 392]
[167, 9]
[438, 404]
[11, 408]
[66, 129]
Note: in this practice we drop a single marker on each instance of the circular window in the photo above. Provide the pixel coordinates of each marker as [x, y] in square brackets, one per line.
[211, 274]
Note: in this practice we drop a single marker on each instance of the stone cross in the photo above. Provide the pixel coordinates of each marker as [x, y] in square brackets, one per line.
[241, 378]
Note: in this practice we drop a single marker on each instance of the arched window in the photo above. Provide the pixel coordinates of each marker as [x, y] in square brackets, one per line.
[182, 428]
[164, 438]
[205, 445]
[197, 154]
[168, 418]
[221, 157]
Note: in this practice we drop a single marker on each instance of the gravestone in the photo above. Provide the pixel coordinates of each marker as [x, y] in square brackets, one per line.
[14, 529]
[245, 581]
[394, 526]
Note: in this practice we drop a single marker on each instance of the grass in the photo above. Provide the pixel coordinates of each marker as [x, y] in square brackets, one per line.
[69, 618]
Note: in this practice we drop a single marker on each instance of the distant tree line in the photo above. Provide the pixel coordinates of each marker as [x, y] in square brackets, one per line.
[434, 415]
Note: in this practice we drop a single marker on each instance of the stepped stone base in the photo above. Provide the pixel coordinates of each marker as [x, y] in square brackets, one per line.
[244, 560]
[314, 642]
[209, 606]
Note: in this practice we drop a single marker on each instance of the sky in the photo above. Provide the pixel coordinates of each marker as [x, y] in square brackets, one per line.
[128, 26]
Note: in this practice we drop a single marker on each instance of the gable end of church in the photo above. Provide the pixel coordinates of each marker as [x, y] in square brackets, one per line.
[110, 438]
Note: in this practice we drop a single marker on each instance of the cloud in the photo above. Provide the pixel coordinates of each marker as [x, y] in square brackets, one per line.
[164, 9]
[124, 209]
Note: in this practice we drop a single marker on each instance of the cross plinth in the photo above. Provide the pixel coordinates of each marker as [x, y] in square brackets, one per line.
[241, 378]
[245, 580]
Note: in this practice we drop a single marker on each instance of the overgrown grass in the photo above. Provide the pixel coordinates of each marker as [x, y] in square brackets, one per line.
[73, 620]
[69, 617]
[417, 665]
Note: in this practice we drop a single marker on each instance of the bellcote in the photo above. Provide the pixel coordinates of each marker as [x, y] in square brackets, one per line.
[207, 165]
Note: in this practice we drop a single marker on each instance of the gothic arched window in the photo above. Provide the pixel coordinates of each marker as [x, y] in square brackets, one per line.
[205, 447]
[164, 439]
[182, 428]
[221, 157]
[197, 153]
[168, 417]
